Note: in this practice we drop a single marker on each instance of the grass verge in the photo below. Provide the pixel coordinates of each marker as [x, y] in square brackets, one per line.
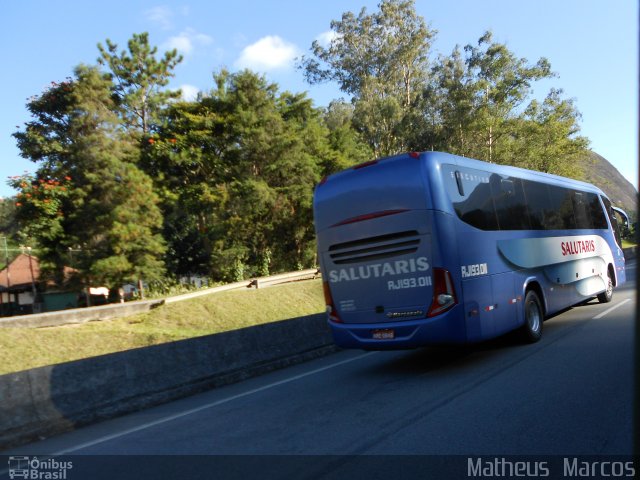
[627, 243]
[24, 348]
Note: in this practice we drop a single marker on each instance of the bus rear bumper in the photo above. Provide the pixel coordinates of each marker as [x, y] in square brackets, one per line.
[447, 328]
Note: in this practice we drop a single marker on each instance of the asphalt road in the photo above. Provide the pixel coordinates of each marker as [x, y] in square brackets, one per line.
[569, 394]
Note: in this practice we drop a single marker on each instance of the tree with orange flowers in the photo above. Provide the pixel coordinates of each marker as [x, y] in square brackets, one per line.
[87, 196]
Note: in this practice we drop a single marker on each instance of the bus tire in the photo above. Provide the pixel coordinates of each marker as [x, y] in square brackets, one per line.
[607, 295]
[533, 318]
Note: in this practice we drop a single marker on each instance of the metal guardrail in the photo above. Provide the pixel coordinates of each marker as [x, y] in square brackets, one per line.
[260, 282]
[263, 282]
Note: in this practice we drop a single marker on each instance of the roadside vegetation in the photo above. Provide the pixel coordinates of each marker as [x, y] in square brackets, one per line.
[24, 348]
[133, 181]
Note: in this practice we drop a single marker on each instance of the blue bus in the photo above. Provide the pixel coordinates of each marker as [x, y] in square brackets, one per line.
[432, 248]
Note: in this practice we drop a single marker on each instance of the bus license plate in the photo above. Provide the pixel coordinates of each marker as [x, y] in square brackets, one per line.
[383, 334]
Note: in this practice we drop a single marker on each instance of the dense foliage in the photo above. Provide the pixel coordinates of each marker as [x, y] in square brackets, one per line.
[134, 182]
[475, 102]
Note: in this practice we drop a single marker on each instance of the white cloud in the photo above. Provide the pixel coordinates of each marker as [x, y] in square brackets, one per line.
[189, 92]
[182, 43]
[325, 38]
[268, 53]
[186, 41]
[161, 15]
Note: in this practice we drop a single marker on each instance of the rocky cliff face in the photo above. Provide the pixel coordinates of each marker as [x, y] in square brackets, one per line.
[601, 173]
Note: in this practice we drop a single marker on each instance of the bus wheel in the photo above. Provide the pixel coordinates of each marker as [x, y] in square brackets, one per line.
[607, 295]
[533, 318]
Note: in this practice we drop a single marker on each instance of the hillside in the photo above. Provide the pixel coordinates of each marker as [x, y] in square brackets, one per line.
[600, 172]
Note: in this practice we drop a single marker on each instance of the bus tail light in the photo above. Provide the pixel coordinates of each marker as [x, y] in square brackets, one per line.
[444, 295]
[328, 300]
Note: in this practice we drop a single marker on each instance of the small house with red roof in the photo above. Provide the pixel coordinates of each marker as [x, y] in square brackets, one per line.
[22, 291]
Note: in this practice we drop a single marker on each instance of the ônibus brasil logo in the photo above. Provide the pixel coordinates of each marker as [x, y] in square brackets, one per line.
[32, 468]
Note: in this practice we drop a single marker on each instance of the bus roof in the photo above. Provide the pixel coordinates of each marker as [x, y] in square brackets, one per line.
[444, 158]
[405, 182]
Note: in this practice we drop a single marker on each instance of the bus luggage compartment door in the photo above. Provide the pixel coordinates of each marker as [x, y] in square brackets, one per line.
[478, 308]
[491, 305]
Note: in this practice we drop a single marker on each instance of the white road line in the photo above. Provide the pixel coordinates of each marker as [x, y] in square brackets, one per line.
[208, 405]
[611, 309]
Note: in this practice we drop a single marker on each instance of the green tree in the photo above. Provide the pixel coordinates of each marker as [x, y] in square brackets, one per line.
[476, 106]
[87, 195]
[381, 60]
[474, 100]
[448, 108]
[347, 147]
[9, 233]
[8, 224]
[238, 166]
[43, 206]
[274, 163]
[138, 80]
[503, 83]
[547, 137]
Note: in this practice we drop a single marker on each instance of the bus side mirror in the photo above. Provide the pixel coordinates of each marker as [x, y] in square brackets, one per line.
[623, 215]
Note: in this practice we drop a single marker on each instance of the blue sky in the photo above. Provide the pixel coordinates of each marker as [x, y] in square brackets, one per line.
[592, 46]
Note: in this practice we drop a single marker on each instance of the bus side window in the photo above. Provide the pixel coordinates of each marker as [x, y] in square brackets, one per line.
[597, 215]
[613, 220]
[582, 214]
[511, 205]
[537, 198]
[562, 216]
[494, 202]
[477, 208]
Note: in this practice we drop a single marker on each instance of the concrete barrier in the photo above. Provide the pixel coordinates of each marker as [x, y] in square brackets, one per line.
[630, 253]
[81, 315]
[45, 401]
[118, 310]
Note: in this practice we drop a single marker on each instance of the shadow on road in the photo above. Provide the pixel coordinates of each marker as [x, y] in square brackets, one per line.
[451, 358]
[445, 359]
